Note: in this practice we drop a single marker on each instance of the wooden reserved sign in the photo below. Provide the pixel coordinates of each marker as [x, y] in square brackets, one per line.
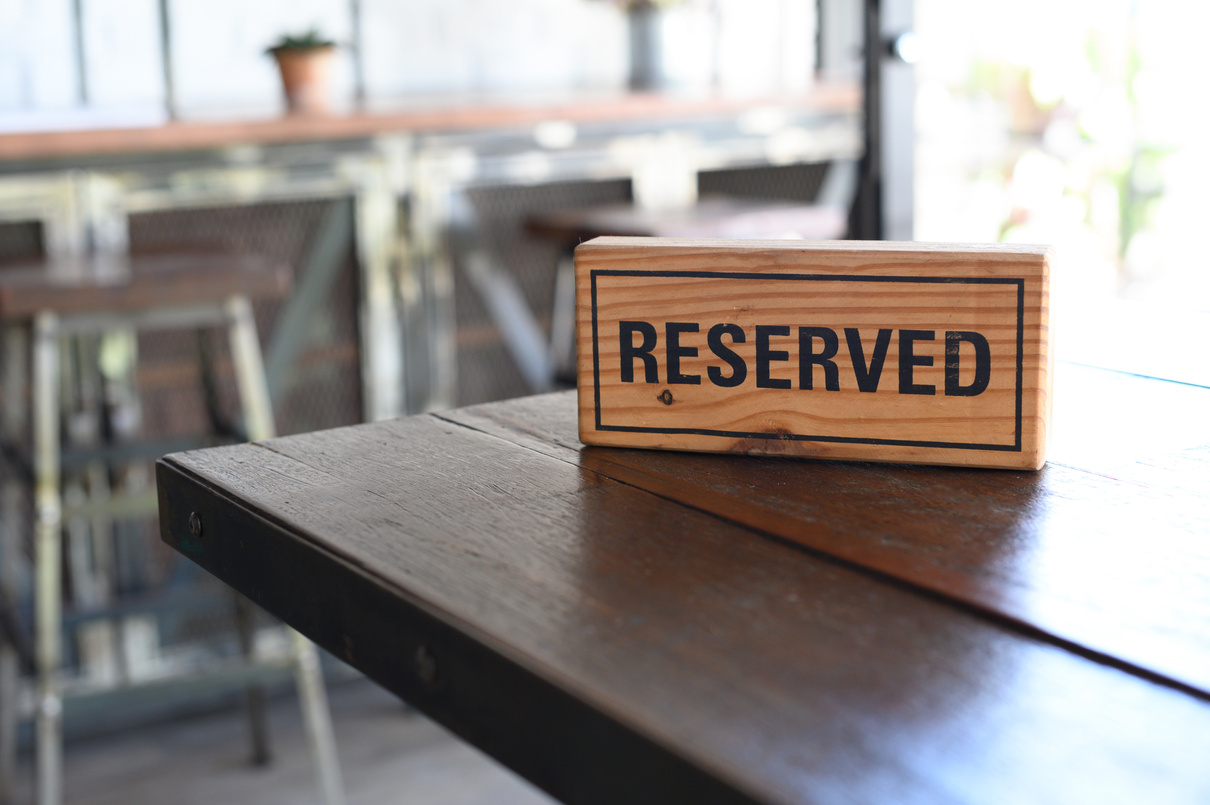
[853, 350]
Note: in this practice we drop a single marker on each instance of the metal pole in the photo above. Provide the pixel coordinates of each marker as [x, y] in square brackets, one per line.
[867, 210]
[258, 422]
[47, 507]
[359, 76]
[166, 60]
[81, 70]
[12, 528]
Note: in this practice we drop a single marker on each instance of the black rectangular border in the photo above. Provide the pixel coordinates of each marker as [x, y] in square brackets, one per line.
[744, 275]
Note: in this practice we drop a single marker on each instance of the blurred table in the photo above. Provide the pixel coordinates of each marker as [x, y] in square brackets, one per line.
[640, 626]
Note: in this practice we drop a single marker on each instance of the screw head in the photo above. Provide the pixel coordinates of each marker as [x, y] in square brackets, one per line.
[426, 665]
[195, 524]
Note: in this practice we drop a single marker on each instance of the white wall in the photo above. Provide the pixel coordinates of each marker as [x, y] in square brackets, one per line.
[37, 55]
[219, 62]
[408, 47]
[488, 45]
[122, 52]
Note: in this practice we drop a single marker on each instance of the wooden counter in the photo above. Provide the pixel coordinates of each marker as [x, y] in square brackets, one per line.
[439, 114]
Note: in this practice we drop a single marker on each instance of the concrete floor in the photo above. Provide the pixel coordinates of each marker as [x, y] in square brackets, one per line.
[388, 755]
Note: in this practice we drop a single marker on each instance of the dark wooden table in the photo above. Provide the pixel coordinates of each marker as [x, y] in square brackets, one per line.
[623, 626]
[120, 284]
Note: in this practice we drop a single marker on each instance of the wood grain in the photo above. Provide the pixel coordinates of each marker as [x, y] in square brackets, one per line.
[708, 345]
[615, 646]
[1104, 549]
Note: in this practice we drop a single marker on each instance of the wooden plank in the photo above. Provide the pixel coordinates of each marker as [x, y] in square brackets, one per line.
[1105, 548]
[613, 646]
[902, 352]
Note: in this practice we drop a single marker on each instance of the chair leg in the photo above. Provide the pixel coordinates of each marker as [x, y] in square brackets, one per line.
[12, 506]
[254, 694]
[258, 422]
[47, 556]
[8, 721]
[219, 424]
[317, 719]
[249, 370]
[255, 697]
[563, 321]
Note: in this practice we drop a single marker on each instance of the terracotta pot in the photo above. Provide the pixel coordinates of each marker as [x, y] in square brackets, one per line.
[304, 76]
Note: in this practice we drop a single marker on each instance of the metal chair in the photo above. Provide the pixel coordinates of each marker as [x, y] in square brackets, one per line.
[62, 298]
[825, 218]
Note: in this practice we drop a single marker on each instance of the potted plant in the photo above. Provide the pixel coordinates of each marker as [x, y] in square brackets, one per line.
[305, 62]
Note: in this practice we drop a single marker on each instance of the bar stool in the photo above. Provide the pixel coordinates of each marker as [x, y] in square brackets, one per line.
[39, 307]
